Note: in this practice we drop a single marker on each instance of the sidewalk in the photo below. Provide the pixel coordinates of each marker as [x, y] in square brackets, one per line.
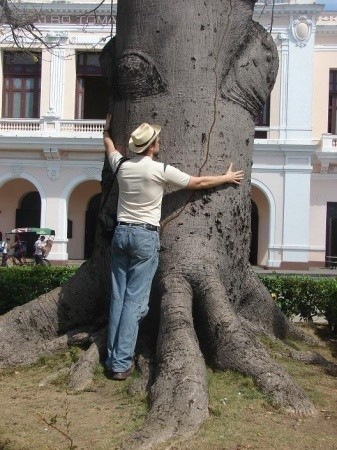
[75, 262]
[312, 272]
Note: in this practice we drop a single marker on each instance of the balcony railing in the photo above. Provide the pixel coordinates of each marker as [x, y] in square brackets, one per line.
[50, 127]
[271, 2]
[81, 126]
[328, 142]
[9, 125]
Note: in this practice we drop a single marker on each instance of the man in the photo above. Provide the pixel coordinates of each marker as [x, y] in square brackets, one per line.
[6, 246]
[39, 250]
[18, 254]
[135, 245]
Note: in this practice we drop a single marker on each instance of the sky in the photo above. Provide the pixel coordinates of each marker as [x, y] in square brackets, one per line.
[330, 5]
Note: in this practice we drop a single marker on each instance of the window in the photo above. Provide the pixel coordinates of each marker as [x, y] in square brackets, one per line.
[21, 85]
[332, 120]
[263, 120]
[92, 96]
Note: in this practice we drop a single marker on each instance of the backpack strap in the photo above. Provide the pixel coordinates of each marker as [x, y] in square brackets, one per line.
[120, 162]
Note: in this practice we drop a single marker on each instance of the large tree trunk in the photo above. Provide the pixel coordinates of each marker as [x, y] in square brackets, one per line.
[202, 70]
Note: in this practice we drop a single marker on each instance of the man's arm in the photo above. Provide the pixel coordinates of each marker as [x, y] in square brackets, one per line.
[206, 182]
[107, 141]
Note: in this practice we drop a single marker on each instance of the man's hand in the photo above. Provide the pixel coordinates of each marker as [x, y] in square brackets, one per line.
[209, 181]
[108, 143]
[234, 177]
[107, 122]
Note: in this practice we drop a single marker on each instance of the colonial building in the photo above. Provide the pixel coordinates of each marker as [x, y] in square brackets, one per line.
[53, 105]
[294, 180]
[54, 101]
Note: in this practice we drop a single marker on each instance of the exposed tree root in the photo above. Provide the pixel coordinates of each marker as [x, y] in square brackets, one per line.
[37, 347]
[236, 348]
[146, 365]
[308, 357]
[81, 373]
[45, 324]
[142, 384]
[54, 376]
[315, 358]
[179, 400]
[258, 307]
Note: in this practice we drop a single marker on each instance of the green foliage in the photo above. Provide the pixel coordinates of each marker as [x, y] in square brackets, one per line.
[304, 296]
[19, 285]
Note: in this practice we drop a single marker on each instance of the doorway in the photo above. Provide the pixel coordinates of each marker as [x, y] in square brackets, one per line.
[29, 215]
[331, 229]
[29, 212]
[254, 244]
[91, 216]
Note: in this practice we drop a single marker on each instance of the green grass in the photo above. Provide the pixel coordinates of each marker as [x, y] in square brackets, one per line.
[240, 417]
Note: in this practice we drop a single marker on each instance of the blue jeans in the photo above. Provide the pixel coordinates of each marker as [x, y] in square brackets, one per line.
[135, 252]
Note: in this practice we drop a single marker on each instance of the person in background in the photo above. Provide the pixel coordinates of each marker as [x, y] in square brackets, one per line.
[5, 245]
[18, 255]
[39, 250]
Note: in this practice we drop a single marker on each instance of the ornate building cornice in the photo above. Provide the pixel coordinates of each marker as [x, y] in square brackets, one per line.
[284, 8]
[55, 8]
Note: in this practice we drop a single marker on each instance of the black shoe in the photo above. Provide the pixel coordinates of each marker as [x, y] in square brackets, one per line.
[121, 376]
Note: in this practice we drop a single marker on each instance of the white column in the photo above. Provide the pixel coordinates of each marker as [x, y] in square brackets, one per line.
[284, 68]
[56, 218]
[296, 211]
[300, 79]
[56, 83]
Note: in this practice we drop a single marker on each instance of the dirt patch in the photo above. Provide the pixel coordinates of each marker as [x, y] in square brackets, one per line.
[35, 401]
[32, 397]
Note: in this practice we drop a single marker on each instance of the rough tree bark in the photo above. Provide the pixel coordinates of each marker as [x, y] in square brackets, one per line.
[203, 70]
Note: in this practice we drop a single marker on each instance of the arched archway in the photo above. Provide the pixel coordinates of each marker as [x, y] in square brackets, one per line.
[20, 204]
[260, 223]
[83, 218]
[29, 212]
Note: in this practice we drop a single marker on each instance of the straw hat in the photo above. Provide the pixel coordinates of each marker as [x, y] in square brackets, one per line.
[143, 136]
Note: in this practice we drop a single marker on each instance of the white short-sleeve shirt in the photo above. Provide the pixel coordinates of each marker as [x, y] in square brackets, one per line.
[141, 187]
